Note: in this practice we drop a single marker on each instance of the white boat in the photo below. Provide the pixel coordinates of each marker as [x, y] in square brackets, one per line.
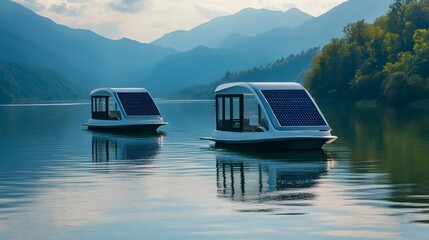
[268, 115]
[124, 109]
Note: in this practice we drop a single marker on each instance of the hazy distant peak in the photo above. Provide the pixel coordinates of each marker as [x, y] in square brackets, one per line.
[253, 10]
[295, 10]
[247, 22]
[250, 10]
[125, 39]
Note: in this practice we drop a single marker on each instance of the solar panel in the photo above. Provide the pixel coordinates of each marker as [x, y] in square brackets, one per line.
[293, 108]
[138, 104]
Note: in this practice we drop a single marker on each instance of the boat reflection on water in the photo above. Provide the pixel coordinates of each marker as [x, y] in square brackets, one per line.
[136, 149]
[279, 179]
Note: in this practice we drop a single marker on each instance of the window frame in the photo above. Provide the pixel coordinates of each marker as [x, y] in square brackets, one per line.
[223, 124]
[95, 113]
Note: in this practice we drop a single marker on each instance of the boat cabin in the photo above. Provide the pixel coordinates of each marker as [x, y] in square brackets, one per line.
[268, 112]
[255, 107]
[130, 108]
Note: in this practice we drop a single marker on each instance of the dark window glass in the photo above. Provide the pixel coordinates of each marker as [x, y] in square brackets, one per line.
[235, 118]
[219, 112]
[229, 112]
[138, 104]
[99, 108]
[293, 108]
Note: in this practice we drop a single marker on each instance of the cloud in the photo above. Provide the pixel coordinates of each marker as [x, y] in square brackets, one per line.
[289, 5]
[210, 11]
[313, 7]
[128, 6]
[34, 5]
[66, 8]
[158, 24]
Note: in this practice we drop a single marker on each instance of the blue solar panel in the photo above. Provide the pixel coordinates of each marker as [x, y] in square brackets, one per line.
[293, 108]
[138, 104]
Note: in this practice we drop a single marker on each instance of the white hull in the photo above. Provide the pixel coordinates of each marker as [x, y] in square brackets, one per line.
[293, 140]
[125, 125]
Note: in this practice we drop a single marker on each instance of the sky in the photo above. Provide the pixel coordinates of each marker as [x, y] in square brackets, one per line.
[148, 20]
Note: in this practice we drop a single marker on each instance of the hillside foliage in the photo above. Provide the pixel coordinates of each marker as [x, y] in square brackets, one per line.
[26, 83]
[387, 61]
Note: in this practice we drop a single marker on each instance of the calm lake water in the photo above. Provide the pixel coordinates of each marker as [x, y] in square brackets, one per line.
[61, 181]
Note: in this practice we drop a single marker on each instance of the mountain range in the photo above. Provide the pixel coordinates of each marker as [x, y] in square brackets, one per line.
[247, 39]
[80, 55]
[202, 65]
[280, 42]
[247, 22]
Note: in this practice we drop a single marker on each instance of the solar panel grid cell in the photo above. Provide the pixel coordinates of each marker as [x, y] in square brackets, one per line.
[138, 104]
[293, 108]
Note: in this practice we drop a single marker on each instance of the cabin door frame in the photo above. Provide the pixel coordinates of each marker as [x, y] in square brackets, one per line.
[96, 103]
[230, 112]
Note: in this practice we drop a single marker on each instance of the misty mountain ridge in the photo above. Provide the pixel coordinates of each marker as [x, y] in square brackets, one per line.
[198, 66]
[247, 22]
[202, 67]
[280, 42]
[80, 55]
[90, 60]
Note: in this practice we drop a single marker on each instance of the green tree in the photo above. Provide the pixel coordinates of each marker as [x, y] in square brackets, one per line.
[421, 51]
[385, 61]
[396, 88]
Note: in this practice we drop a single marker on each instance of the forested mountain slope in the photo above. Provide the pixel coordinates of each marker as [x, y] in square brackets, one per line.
[387, 61]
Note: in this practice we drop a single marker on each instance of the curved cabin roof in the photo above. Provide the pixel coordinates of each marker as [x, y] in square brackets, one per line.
[288, 104]
[238, 86]
[131, 101]
[109, 91]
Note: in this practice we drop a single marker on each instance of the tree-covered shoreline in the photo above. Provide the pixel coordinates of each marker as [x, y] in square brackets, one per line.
[385, 62]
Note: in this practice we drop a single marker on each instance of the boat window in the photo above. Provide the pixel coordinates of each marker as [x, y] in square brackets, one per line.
[105, 108]
[236, 108]
[236, 113]
[229, 112]
[263, 119]
[227, 107]
[255, 119]
[219, 110]
[138, 103]
[99, 107]
[240, 113]
[114, 113]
